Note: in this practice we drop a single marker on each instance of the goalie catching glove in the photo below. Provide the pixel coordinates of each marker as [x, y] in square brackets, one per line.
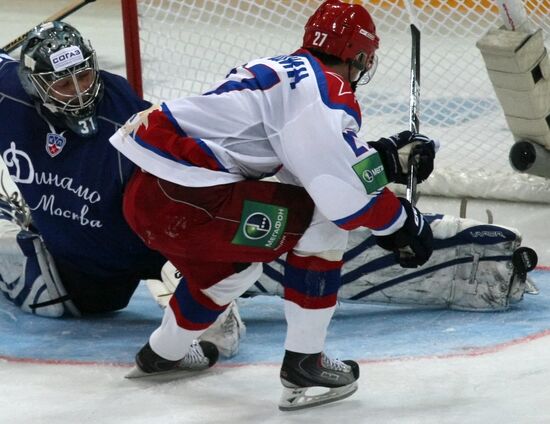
[412, 244]
[396, 150]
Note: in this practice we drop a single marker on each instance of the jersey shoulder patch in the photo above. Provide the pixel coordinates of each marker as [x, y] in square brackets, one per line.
[335, 92]
[341, 96]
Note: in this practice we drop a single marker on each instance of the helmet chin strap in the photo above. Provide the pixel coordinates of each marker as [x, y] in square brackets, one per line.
[356, 64]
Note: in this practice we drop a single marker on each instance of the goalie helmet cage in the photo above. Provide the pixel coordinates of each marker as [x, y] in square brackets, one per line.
[176, 48]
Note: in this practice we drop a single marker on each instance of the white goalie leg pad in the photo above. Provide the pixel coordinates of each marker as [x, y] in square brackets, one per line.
[227, 331]
[29, 277]
[470, 269]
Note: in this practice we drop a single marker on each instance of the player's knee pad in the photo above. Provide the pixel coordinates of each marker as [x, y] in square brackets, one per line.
[311, 282]
[29, 277]
[272, 281]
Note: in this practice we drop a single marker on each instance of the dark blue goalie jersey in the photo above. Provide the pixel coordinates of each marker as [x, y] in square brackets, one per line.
[73, 185]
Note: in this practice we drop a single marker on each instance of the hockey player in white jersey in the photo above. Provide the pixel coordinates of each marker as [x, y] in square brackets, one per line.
[198, 198]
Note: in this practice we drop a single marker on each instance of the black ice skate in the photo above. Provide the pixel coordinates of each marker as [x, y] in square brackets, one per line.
[300, 372]
[201, 356]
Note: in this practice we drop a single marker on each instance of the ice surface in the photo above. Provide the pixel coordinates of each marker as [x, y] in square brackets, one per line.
[418, 366]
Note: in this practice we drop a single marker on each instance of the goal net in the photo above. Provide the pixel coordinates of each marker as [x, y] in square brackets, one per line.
[186, 45]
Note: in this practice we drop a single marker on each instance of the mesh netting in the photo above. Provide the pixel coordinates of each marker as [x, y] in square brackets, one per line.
[189, 44]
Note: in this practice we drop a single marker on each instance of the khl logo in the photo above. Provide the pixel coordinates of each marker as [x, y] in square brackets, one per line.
[256, 226]
[55, 143]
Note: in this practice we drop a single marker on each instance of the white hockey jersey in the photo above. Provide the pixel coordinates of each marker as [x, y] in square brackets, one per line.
[284, 111]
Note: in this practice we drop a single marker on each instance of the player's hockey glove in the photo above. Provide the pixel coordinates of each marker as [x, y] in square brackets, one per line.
[412, 244]
[396, 150]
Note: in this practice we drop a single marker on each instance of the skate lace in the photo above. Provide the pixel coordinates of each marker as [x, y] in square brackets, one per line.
[195, 356]
[334, 364]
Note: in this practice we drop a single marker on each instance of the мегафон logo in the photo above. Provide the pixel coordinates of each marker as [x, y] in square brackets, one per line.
[257, 226]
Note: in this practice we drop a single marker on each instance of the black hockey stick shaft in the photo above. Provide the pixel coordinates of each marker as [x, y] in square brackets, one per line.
[413, 109]
[66, 11]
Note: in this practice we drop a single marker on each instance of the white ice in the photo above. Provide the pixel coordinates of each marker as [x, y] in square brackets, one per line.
[508, 385]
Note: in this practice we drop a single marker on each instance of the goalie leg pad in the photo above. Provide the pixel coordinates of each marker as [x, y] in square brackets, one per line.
[471, 269]
[227, 331]
[162, 290]
[29, 277]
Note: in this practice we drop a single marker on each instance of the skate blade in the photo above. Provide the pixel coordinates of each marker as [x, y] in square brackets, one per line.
[295, 399]
[136, 373]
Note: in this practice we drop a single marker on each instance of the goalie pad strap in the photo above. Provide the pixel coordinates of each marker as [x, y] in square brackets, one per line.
[50, 302]
[51, 278]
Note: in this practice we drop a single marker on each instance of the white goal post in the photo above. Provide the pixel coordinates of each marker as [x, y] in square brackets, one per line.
[180, 47]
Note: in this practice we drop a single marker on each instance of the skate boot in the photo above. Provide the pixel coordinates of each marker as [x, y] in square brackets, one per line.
[227, 331]
[300, 372]
[201, 356]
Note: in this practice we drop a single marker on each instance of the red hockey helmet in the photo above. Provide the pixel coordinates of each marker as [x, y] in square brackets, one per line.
[342, 30]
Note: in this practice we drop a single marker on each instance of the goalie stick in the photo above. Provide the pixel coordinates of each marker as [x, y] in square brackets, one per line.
[66, 11]
[413, 108]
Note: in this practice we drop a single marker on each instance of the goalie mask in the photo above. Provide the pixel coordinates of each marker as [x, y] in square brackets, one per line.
[59, 70]
[347, 32]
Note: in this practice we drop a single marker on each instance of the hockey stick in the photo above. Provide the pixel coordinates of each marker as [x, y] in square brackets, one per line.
[413, 107]
[66, 11]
